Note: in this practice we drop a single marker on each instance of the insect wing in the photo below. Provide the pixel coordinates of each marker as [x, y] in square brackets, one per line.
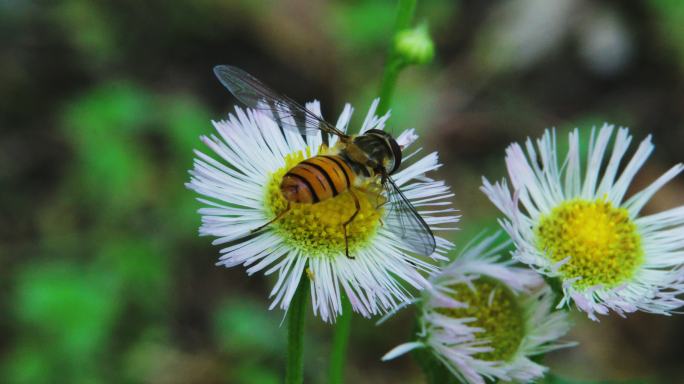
[403, 219]
[254, 94]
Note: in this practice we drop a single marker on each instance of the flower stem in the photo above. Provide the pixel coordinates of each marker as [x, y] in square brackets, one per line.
[389, 82]
[296, 317]
[340, 342]
[395, 63]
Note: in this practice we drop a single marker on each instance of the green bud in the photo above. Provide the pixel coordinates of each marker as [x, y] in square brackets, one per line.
[414, 45]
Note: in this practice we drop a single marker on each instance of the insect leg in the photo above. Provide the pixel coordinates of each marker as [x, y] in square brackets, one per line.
[373, 192]
[377, 196]
[278, 217]
[380, 205]
[344, 226]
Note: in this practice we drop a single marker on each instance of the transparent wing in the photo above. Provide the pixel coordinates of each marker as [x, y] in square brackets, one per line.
[254, 94]
[403, 219]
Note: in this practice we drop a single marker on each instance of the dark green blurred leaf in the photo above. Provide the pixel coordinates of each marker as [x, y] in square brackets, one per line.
[671, 24]
[363, 25]
[27, 364]
[150, 358]
[89, 28]
[80, 306]
[257, 374]
[66, 314]
[115, 108]
[553, 379]
[246, 327]
[184, 120]
[140, 269]
[103, 124]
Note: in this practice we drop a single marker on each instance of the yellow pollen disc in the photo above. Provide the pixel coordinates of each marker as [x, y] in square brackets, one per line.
[602, 242]
[496, 310]
[316, 229]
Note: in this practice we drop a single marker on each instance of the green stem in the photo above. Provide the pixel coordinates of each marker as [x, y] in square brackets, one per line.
[395, 64]
[405, 12]
[389, 82]
[296, 318]
[340, 342]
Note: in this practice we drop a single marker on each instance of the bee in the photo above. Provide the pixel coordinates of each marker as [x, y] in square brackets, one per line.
[373, 154]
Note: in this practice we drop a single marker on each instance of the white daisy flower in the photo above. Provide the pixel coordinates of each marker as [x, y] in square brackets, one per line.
[484, 319]
[241, 192]
[579, 227]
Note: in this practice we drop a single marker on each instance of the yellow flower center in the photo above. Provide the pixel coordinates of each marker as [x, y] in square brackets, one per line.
[316, 229]
[602, 242]
[496, 310]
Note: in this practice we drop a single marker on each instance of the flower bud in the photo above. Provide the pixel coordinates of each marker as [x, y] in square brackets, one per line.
[414, 45]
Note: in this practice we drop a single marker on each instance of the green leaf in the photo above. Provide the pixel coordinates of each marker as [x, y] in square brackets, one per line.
[65, 316]
[27, 364]
[116, 108]
[184, 120]
[79, 305]
[670, 22]
[140, 268]
[364, 25]
[553, 379]
[257, 374]
[243, 326]
[89, 28]
[111, 167]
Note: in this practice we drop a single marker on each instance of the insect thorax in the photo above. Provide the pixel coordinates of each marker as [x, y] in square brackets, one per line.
[380, 150]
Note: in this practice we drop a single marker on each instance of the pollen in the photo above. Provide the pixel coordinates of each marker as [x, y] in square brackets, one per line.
[317, 229]
[600, 240]
[496, 311]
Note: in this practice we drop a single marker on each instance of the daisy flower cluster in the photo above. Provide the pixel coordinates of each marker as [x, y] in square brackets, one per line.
[483, 316]
[239, 185]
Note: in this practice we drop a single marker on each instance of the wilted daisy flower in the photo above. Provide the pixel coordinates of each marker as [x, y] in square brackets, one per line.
[579, 227]
[484, 319]
[242, 192]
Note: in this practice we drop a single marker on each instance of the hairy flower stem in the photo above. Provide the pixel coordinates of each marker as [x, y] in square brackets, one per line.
[395, 62]
[296, 318]
[340, 343]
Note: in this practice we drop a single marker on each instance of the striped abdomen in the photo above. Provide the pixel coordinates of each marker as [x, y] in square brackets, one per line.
[317, 179]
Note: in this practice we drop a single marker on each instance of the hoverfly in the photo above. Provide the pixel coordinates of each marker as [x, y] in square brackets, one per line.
[373, 154]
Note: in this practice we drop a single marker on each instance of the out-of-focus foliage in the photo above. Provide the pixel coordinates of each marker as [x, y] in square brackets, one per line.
[671, 25]
[103, 276]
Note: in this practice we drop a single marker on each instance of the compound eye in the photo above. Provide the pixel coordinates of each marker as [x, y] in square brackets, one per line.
[396, 152]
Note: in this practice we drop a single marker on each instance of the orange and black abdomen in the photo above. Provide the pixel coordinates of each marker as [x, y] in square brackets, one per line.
[317, 179]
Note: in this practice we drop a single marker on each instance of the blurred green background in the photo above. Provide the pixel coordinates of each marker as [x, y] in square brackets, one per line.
[103, 277]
